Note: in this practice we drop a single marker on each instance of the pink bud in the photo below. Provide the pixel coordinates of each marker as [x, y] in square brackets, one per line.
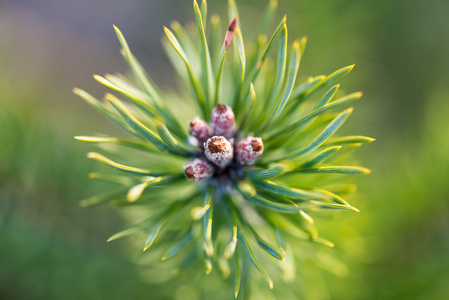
[200, 130]
[249, 150]
[219, 151]
[198, 169]
[223, 120]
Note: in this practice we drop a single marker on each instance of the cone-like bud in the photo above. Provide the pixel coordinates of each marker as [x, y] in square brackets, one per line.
[198, 169]
[200, 130]
[223, 120]
[219, 151]
[249, 150]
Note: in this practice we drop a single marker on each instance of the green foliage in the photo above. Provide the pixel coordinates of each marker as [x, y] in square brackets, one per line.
[396, 248]
[277, 114]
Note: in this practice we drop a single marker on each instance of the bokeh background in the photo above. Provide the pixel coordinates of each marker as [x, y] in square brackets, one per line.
[397, 247]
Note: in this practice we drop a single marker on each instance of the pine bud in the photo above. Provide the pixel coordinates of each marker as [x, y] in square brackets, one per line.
[223, 120]
[249, 150]
[198, 169]
[219, 151]
[200, 130]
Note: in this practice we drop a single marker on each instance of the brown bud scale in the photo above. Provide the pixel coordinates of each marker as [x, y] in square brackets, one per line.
[198, 169]
[200, 130]
[223, 121]
[219, 151]
[249, 150]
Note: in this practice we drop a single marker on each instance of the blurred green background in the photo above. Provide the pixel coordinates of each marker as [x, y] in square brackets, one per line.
[397, 247]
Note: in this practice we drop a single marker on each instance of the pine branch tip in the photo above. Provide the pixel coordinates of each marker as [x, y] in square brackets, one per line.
[127, 98]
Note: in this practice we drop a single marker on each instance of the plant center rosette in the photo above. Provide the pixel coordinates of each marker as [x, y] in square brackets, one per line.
[221, 157]
[246, 177]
